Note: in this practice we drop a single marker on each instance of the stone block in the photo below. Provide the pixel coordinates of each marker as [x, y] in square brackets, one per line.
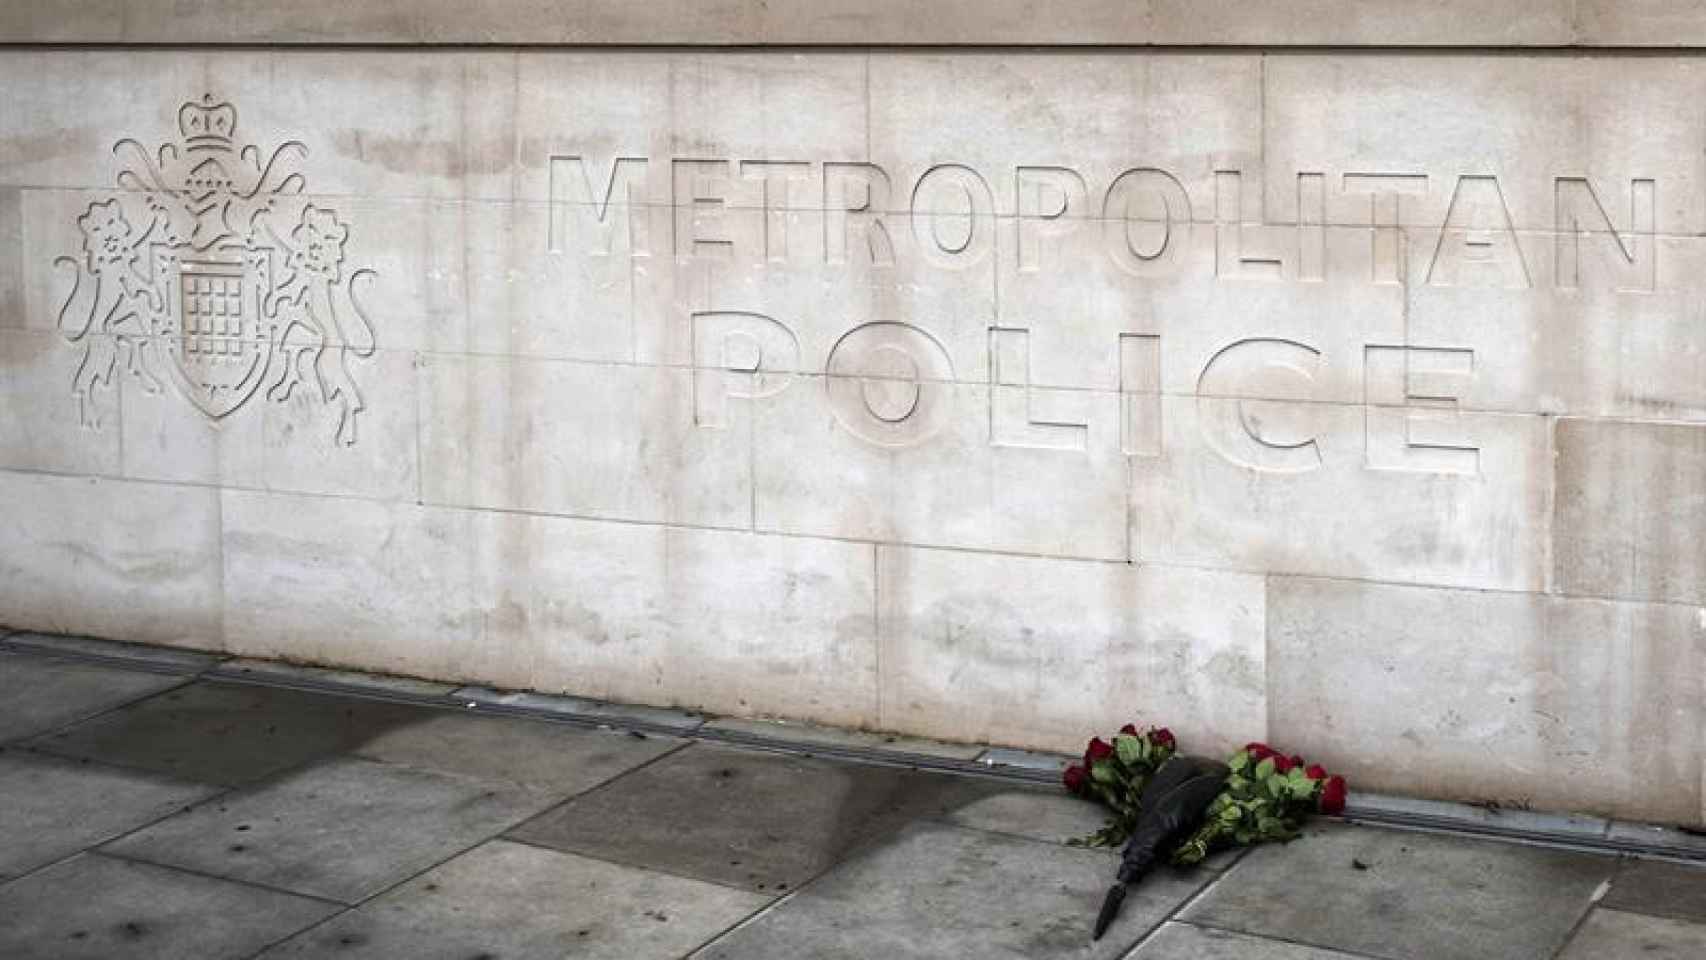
[38, 694]
[1660, 889]
[507, 899]
[92, 907]
[343, 830]
[44, 424]
[111, 558]
[830, 464]
[228, 734]
[1526, 901]
[1610, 933]
[1441, 496]
[52, 808]
[732, 797]
[333, 581]
[617, 442]
[1047, 653]
[937, 890]
[1631, 510]
[1583, 705]
[1492, 136]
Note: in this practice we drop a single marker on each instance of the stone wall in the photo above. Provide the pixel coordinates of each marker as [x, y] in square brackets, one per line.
[1351, 397]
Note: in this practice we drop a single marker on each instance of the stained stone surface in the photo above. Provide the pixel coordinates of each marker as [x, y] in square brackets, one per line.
[1419, 895]
[967, 371]
[763, 822]
[229, 734]
[1183, 941]
[511, 900]
[92, 907]
[1669, 890]
[38, 694]
[930, 892]
[541, 756]
[1610, 933]
[343, 830]
[1049, 816]
[51, 808]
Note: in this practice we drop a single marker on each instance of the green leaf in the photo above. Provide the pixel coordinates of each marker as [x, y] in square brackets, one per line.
[1129, 748]
[1265, 769]
[1239, 763]
[1103, 772]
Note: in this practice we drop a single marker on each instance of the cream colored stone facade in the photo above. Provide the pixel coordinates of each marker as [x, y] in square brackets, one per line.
[1349, 398]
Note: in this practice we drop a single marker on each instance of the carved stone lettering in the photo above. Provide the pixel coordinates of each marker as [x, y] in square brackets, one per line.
[1385, 192]
[1049, 201]
[1411, 400]
[1478, 245]
[890, 384]
[599, 222]
[1238, 407]
[953, 216]
[1584, 224]
[1146, 216]
[1015, 417]
[739, 356]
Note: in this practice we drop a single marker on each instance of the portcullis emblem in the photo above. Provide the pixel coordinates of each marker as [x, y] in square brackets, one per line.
[209, 270]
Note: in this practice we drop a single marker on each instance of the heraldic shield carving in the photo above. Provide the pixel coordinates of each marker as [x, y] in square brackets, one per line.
[209, 269]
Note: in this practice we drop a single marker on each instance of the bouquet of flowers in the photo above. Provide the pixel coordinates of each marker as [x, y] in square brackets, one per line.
[1267, 796]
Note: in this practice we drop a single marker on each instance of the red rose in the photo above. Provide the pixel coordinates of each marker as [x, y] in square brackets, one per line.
[1333, 796]
[1075, 778]
[1098, 750]
[1296, 760]
[1259, 751]
[1129, 730]
[1316, 772]
[1282, 763]
[1163, 736]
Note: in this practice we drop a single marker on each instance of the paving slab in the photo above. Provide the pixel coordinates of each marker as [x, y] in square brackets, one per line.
[51, 808]
[838, 737]
[581, 707]
[1184, 941]
[272, 670]
[518, 902]
[763, 821]
[938, 890]
[96, 908]
[1418, 895]
[1052, 816]
[175, 659]
[531, 753]
[1614, 935]
[38, 694]
[343, 830]
[230, 734]
[1661, 889]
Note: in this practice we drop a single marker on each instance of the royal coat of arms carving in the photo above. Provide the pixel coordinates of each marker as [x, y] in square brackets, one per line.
[211, 271]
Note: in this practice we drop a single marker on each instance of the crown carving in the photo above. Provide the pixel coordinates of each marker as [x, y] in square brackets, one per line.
[207, 122]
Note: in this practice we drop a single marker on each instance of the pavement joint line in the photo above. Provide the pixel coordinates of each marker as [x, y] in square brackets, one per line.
[1272, 938]
[1368, 814]
[100, 851]
[631, 864]
[30, 741]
